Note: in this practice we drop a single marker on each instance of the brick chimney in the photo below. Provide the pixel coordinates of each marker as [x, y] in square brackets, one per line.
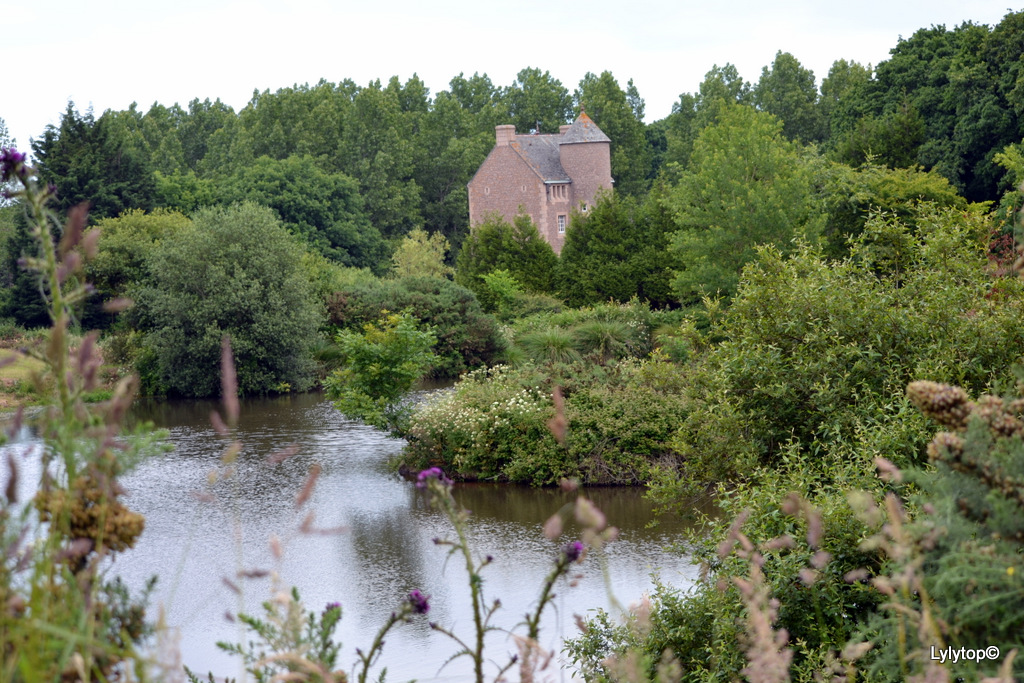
[504, 134]
[563, 128]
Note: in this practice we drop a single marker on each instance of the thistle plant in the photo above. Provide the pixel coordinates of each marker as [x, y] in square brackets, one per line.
[531, 656]
[60, 615]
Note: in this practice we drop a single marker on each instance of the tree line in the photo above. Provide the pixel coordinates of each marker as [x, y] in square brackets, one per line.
[371, 180]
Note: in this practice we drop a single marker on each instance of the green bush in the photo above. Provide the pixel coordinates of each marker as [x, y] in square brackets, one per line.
[957, 556]
[466, 336]
[236, 272]
[820, 609]
[378, 368]
[494, 424]
[817, 353]
[516, 247]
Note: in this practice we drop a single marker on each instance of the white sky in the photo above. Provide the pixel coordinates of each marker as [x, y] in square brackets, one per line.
[110, 53]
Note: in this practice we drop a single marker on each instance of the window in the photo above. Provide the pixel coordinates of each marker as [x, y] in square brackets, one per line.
[561, 223]
[584, 207]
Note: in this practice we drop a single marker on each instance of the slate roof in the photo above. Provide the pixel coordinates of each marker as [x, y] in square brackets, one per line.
[583, 130]
[540, 152]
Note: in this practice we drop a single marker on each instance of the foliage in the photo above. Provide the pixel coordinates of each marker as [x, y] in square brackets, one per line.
[95, 161]
[617, 250]
[694, 112]
[807, 538]
[324, 209]
[745, 186]
[516, 248]
[787, 90]
[815, 354]
[634, 323]
[495, 424]
[379, 367]
[852, 195]
[499, 293]
[466, 336]
[286, 628]
[422, 255]
[536, 98]
[952, 568]
[23, 301]
[235, 272]
[126, 244]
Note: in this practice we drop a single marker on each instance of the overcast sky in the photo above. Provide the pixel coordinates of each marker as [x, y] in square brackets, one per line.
[109, 53]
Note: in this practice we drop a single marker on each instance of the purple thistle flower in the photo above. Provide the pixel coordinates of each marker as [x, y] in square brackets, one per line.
[332, 605]
[573, 551]
[433, 473]
[12, 163]
[418, 602]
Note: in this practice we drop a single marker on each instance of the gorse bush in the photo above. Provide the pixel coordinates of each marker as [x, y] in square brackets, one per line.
[953, 571]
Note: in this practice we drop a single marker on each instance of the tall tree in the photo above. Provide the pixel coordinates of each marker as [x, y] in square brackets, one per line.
[377, 149]
[746, 185]
[843, 97]
[788, 91]
[517, 248]
[694, 112]
[617, 250]
[537, 98]
[237, 272]
[451, 150]
[325, 209]
[96, 161]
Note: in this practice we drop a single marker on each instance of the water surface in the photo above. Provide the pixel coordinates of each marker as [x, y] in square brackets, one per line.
[369, 543]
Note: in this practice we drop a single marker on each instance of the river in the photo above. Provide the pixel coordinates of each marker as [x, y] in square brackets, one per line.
[371, 541]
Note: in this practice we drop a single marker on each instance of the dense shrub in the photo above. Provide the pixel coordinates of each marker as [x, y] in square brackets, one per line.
[466, 336]
[816, 354]
[516, 247]
[599, 333]
[618, 250]
[378, 367]
[494, 424]
[820, 609]
[236, 272]
[953, 566]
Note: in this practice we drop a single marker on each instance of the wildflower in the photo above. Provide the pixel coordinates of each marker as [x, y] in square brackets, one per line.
[432, 473]
[573, 551]
[331, 606]
[12, 163]
[418, 602]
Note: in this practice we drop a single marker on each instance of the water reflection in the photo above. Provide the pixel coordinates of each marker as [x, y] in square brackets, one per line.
[201, 530]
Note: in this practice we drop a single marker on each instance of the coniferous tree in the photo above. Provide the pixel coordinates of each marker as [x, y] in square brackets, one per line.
[94, 161]
[517, 248]
[617, 250]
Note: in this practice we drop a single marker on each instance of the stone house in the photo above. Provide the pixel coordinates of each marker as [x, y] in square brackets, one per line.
[544, 176]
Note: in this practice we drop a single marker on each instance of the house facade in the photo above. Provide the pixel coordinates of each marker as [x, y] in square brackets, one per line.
[544, 176]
